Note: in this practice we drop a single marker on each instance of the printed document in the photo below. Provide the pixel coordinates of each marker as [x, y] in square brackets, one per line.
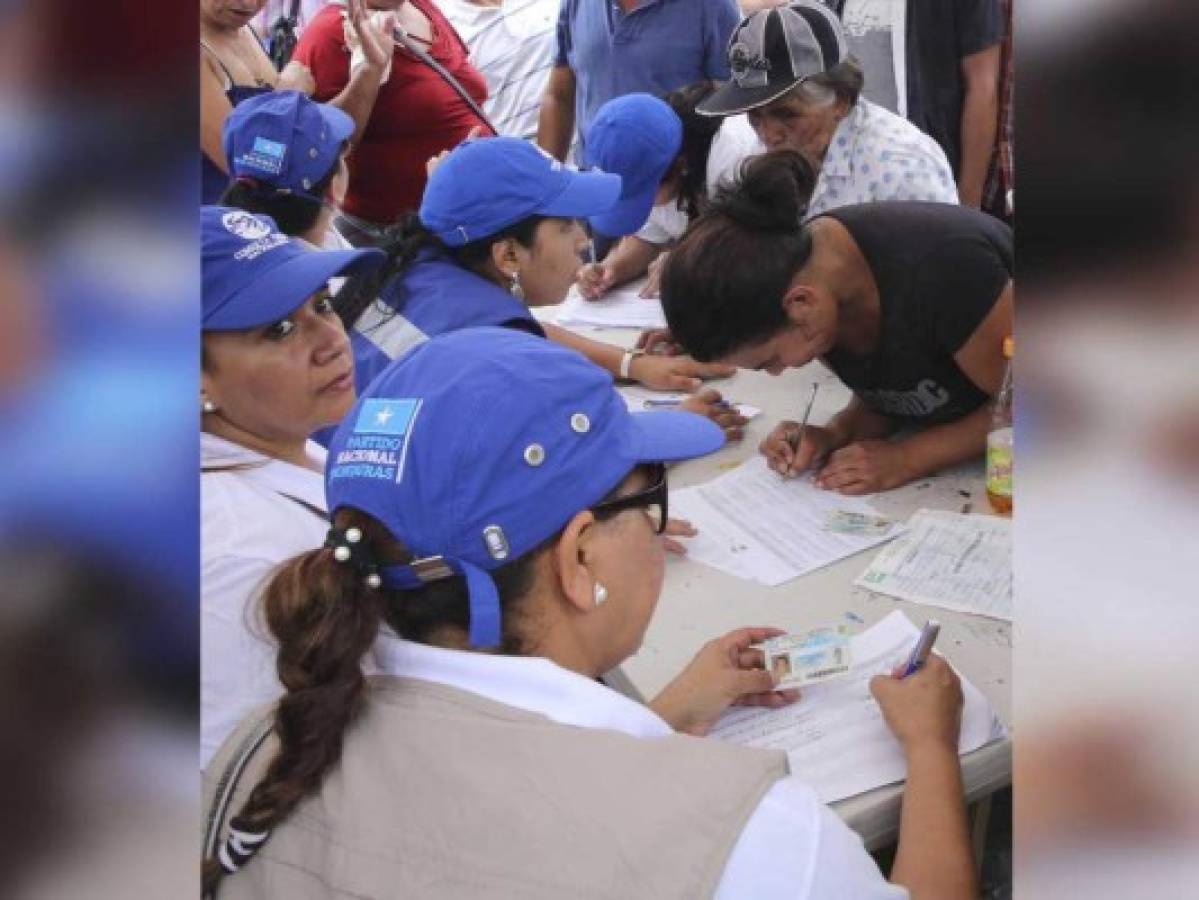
[946, 559]
[835, 736]
[755, 524]
[619, 308]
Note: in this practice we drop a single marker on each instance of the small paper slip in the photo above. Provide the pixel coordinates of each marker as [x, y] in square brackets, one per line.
[645, 400]
[949, 560]
[755, 524]
[619, 308]
[835, 736]
[797, 660]
[846, 522]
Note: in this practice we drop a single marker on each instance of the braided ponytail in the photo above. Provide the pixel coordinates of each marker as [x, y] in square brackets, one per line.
[723, 283]
[325, 618]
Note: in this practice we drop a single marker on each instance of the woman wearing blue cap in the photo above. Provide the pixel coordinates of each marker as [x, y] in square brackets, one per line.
[496, 234]
[669, 158]
[496, 571]
[234, 68]
[287, 157]
[276, 365]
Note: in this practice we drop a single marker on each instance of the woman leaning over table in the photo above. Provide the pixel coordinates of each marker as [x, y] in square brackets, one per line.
[511, 564]
[275, 366]
[908, 303]
[498, 233]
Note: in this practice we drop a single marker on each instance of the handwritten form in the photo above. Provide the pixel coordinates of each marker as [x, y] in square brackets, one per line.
[757, 525]
[835, 736]
[619, 308]
[949, 560]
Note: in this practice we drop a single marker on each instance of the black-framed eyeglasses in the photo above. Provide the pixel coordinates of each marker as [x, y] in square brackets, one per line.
[652, 500]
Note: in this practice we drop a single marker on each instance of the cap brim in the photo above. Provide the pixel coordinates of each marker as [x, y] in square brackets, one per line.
[670, 435]
[281, 290]
[585, 194]
[626, 217]
[730, 99]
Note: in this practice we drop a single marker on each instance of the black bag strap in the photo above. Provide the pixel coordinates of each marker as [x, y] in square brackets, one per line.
[402, 38]
[226, 786]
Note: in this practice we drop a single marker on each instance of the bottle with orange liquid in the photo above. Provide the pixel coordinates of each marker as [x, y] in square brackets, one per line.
[999, 440]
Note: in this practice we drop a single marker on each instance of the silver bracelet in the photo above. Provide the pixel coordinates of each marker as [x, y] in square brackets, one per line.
[626, 362]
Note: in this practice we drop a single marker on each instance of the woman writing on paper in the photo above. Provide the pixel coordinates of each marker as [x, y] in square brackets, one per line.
[497, 233]
[512, 563]
[908, 303]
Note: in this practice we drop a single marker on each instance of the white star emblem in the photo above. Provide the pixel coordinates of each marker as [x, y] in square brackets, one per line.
[383, 416]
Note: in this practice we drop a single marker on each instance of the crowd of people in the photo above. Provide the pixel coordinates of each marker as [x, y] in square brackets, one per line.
[430, 523]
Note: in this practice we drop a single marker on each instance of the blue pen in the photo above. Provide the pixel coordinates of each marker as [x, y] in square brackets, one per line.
[924, 646]
[651, 403]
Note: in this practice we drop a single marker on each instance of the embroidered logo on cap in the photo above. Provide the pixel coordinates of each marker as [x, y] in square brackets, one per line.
[245, 225]
[265, 156]
[379, 443]
[743, 61]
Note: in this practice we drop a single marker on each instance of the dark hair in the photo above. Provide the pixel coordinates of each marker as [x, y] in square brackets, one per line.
[698, 134]
[723, 282]
[325, 619]
[294, 212]
[405, 242]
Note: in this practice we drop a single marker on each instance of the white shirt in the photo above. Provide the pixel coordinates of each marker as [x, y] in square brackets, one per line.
[248, 526]
[875, 156]
[514, 47]
[793, 846]
[734, 142]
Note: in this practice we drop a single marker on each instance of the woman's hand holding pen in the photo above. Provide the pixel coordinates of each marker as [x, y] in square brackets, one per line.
[924, 707]
[595, 279]
[725, 671]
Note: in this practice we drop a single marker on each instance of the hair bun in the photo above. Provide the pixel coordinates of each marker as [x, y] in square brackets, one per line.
[771, 192]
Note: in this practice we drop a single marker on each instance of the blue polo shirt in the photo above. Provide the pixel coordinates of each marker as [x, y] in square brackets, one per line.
[659, 46]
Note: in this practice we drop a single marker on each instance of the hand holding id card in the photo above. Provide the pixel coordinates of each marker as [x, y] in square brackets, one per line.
[796, 660]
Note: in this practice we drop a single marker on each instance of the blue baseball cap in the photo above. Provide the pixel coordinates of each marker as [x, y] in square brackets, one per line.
[285, 139]
[478, 445]
[254, 275]
[637, 137]
[485, 185]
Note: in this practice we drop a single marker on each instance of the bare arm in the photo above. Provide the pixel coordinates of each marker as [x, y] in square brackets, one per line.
[214, 108]
[980, 121]
[630, 258]
[866, 465]
[661, 373]
[556, 125]
[933, 858]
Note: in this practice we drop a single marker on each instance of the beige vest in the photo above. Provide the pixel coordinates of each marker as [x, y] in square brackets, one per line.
[441, 793]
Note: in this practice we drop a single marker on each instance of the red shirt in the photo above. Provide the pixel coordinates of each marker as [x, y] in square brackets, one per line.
[416, 115]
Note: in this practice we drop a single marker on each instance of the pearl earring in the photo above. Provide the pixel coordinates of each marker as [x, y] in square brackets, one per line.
[517, 291]
[208, 406]
[600, 593]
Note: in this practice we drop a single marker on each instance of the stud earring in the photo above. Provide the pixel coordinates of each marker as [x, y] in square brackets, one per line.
[600, 593]
[517, 291]
[208, 406]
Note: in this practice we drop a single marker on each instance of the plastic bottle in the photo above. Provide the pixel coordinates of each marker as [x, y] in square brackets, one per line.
[999, 440]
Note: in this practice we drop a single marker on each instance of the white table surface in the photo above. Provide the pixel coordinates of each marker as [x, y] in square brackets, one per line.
[699, 603]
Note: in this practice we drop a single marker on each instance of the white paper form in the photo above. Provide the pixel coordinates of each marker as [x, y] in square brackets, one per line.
[755, 524]
[949, 560]
[619, 308]
[835, 736]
